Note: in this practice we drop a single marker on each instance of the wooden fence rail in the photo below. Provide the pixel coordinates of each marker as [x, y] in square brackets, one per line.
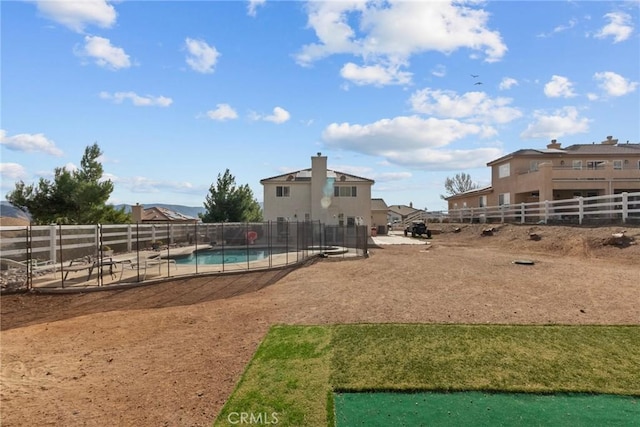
[623, 207]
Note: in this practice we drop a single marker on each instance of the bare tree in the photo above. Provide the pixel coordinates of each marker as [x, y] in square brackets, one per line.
[460, 183]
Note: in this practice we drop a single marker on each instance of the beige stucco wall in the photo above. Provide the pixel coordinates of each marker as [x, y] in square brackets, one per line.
[556, 175]
[557, 179]
[316, 197]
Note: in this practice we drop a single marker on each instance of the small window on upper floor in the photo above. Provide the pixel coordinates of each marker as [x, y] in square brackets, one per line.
[577, 164]
[283, 191]
[617, 165]
[595, 164]
[345, 191]
[504, 170]
[533, 165]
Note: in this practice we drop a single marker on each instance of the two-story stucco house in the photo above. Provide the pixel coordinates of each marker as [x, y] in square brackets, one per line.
[318, 194]
[556, 173]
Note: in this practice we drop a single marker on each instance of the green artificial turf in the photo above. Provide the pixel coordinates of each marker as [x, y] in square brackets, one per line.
[477, 408]
[296, 369]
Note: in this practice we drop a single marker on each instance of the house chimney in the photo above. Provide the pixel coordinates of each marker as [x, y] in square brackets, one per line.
[411, 204]
[554, 144]
[610, 141]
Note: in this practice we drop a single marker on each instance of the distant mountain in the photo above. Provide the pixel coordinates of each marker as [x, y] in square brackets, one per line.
[191, 211]
[10, 211]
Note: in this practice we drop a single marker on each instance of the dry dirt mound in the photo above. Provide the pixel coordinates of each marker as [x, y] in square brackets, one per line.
[618, 242]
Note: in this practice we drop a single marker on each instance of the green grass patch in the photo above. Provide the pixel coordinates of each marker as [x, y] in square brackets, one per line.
[603, 359]
[286, 382]
[296, 368]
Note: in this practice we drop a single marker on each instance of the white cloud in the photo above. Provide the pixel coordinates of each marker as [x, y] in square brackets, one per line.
[439, 70]
[411, 141]
[29, 143]
[614, 84]
[476, 106]
[137, 100]
[253, 6]
[280, 115]
[507, 83]
[13, 172]
[377, 38]
[71, 167]
[202, 57]
[560, 123]
[559, 86]
[377, 75]
[592, 96]
[619, 27]
[222, 112]
[391, 176]
[140, 184]
[560, 28]
[104, 53]
[76, 15]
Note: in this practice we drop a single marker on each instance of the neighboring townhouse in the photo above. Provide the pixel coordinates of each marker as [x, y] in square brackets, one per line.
[379, 211]
[318, 194]
[159, 215]
[398, 214]
[556, 173]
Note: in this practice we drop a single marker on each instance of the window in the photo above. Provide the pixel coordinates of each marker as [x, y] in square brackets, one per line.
[595, 164]
[482, 201]
[344, 191]
[533, 165]
[351, 221]
[504, 199]
[341, 219]
[504, 170]
[307, 216]
[282, 191]
[577, 164]
[617, 165]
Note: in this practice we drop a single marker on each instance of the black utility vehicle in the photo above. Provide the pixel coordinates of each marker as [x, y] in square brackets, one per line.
[417, 228]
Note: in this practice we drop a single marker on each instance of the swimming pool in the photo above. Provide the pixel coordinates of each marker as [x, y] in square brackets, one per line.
[227, 256]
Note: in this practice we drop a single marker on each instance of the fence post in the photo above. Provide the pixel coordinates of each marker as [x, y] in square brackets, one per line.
[546, 211]
[129, 235]
[52, 243]
[625, 206]
[580, 210]
[522, 213]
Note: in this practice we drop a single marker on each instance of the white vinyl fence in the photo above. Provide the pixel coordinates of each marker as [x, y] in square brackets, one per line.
[616, 208]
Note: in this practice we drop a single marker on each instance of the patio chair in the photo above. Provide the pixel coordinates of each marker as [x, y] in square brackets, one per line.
[35, 268]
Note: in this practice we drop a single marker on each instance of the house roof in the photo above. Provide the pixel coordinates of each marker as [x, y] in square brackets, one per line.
[305, 175]
[402, 210]
[477, 191]
[604, 149]
[576, 149]
[165, 215]
[378, 205]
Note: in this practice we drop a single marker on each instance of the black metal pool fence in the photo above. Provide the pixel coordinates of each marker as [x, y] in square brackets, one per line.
[64, 246]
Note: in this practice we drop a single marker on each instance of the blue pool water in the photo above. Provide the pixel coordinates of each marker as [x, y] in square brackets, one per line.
[228, 256]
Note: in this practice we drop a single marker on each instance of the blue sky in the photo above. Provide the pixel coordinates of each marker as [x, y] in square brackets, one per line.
[174, 93]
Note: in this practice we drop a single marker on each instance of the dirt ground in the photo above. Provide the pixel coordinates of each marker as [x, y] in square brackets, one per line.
[170, 354]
